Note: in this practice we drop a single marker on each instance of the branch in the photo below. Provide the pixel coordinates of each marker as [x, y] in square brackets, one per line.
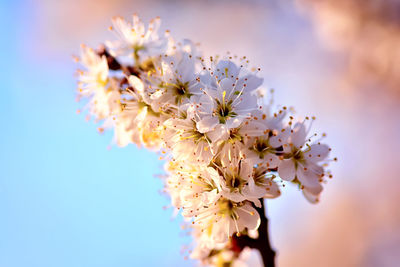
[113, 63]
[262, 243]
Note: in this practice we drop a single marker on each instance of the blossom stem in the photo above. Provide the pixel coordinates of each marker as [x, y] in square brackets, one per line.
[262, 243]
[267, 253]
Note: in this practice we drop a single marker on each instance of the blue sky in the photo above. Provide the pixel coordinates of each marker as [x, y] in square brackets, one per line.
[65, 199]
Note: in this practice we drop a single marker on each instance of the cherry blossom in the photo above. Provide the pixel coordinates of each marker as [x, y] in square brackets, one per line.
[226, 149]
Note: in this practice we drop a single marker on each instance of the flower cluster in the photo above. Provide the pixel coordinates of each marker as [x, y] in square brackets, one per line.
[226, 149]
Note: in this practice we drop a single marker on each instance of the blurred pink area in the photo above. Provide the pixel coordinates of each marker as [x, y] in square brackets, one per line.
[367, 32]
[353, 89]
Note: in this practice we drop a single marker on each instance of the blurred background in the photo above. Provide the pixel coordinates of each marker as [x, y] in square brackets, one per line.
[68, 199]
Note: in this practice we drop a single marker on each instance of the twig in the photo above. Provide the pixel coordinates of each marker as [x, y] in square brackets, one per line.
[113, 63]
[262, 243]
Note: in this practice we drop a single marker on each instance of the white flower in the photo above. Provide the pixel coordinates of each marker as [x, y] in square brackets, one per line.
[204, 245]
[240, 181]
[244, 79]
[135, 41]
[263, 183]
[301, 160]
[226, 101]
[266, 146]
[137, 122]
[234, 144]
[224, 218]
[95, 84]
[105, 103]
[192, 186]
[96, 75]
[174, 80]
[186, 143]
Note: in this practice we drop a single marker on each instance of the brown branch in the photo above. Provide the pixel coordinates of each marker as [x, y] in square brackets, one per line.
[113, 63]
[262, 243]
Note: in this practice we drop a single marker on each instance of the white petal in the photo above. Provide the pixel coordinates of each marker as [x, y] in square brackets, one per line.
[207, 104]
[246, 169]
[235, 197]
[312, 193]
[136, 83]
[307, 176]
[248, 217]
[286, 170]
[317, 152]
[280, 139]
[220, 133]
[299, 135]
[227, 69]
[271, 160]
[252, 82]
[256, 202]
[227, 86]
[245, 102]
[207, 124]
[273, 191]
[234, 122]
[221, 230]
[252, 128]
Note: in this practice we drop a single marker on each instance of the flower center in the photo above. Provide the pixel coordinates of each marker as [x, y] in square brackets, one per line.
[225, 111]
[143, 105]
[180, 90]
[234, 135]
[261, 147]
[196, 135]
[297, 155]
[227, 208]
[234, 181]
